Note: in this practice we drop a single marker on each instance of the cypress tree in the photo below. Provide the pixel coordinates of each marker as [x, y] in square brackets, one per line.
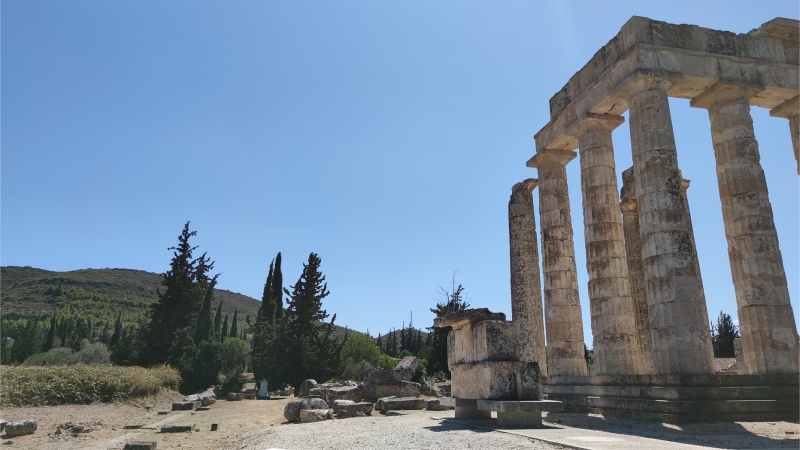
[203, 328]
[117, 331]
[224, 328]
[218, 320]
[267, 309]
[380, 343]
[51, 333]
[277, 288]
[235, 324]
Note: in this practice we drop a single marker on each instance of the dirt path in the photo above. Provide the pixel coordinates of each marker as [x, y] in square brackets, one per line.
[234, 419]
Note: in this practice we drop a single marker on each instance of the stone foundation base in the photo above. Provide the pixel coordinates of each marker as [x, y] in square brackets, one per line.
[681, 398]
[465, 408]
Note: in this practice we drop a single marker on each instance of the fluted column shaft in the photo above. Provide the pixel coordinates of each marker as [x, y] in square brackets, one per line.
[526, 289]
[616, 347]
[685, 187]
[563, 319]
[633, 249]
[766, 320]
[790, 109]
[681, 340]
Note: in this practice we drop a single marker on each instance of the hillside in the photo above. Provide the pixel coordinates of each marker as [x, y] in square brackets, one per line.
[29, 291]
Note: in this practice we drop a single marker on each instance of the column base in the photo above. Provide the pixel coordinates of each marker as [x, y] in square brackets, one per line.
[465, 408]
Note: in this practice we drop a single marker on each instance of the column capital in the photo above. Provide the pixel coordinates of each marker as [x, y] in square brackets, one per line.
[646, 81]
[724, 91]
[788, 109]
[528, 184]
[595, 122]
[628, 205]
[549, 157]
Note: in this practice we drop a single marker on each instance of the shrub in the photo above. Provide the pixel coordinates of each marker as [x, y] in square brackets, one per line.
[386, 362]
[61, 356]
[92, 354]
[361, 347]
[81, 384]
[235, 352]
[234, 382]
[355, 370]
[404, 353]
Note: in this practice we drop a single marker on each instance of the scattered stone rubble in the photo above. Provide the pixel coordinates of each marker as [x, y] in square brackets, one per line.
[78, 427]
[292, 409]
[205, 397]
[20, 428]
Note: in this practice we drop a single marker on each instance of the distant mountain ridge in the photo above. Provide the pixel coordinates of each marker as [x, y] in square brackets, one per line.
[28, 291]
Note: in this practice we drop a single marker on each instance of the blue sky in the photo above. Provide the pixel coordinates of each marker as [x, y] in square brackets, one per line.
[385, 136]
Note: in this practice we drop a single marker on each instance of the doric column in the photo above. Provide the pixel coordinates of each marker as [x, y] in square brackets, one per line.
[563, 320]
[684, 187]
[769, 335]
[790, 109]
[616, 347]
[633, 249]
[681, 339]
[526, 289]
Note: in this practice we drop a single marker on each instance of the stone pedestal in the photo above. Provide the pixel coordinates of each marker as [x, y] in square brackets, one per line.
[526, 289]
[681, 339]
[465, 408]
[520, 414]
[563, 319]
[766, 320]
[616, 347]
[791, 110]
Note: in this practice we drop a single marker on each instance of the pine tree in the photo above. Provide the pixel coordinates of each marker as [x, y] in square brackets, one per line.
[380, 343]
[235, 325]
[117, 331]
[185, 285]
[723, 335]
[224, 333]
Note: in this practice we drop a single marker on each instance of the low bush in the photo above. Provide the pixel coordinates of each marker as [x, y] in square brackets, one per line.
[90, 353]
[355, 370]
[386, 362]
[234, 381]
[81, 384]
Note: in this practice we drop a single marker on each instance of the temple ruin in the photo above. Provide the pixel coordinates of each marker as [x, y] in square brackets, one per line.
[652, 345]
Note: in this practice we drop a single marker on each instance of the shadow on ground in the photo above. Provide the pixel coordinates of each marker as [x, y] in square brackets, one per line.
[727, 435]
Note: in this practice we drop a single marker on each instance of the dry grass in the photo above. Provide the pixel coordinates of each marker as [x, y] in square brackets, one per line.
[81, 384]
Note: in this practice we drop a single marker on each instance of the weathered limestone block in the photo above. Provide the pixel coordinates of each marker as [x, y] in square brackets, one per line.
[766, 319]
[435, 405]
[790, 109]
[681, 339]
[407, 367]
[400, 403]
[489, 340]
[497, 380]
[352, 408]
[616, 346]
[426, 388]
[205, 397]
[331, 394]
[306, 387]
[292, 409]
[178, 428]
[21, 428]
[526, 289]
[141, 445]
[314, 415]
[564, 327]
[184, 406]
[235, 397]
[466, 317]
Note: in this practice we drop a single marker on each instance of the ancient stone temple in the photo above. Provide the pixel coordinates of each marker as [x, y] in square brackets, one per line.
[646, 297]
[649, 321]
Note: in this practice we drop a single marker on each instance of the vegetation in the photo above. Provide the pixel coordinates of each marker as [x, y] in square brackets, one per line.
[297, 346]
[81, 384]
[453, 301]
[722, 336]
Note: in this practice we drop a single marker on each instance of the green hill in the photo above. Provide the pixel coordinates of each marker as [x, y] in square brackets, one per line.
[27, 291]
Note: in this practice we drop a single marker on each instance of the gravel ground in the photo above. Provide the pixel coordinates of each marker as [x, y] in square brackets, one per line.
[415, 430]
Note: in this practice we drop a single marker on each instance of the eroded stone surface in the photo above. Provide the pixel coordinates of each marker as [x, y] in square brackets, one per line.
[466, 317]
[314, 415]
[20, 428]
[400, 403]
[292, 409]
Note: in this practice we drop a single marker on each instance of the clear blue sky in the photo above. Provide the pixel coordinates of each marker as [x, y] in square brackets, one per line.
[383, 135]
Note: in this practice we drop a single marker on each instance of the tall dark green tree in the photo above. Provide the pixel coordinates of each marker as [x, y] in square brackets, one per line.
[117, 331]
[51, 334]
[267, 310]
[218, 320]
[380, 343]
[224, 333]
[277, 288]
[722, 336]
[453, 301]
[302, 347]
[178, 306]
[235, 324]
[204, 329]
